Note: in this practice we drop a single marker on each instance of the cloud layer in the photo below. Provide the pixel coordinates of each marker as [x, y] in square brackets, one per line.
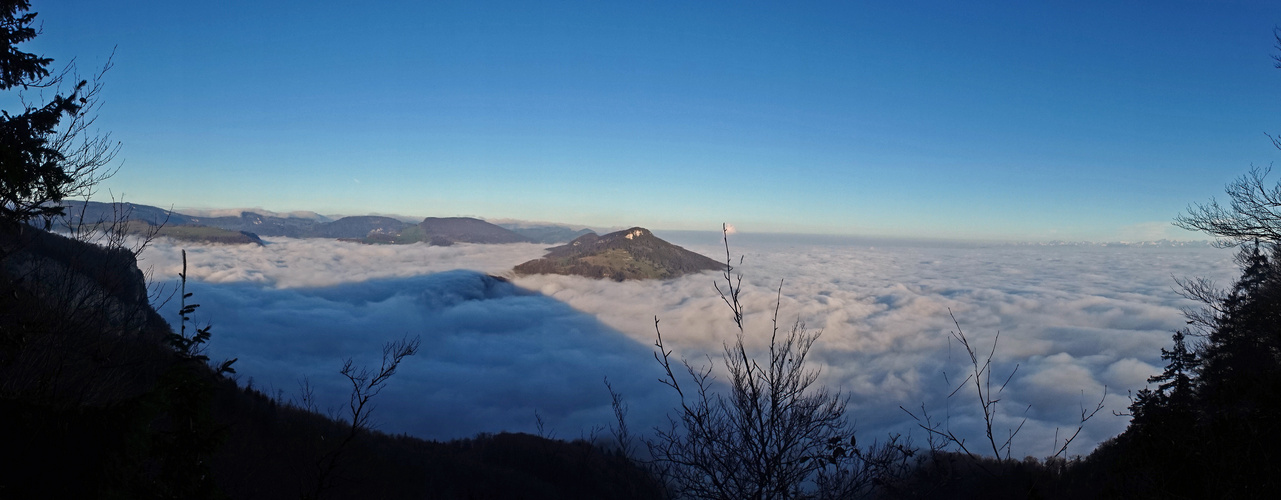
[315, 262]
[1072, 319]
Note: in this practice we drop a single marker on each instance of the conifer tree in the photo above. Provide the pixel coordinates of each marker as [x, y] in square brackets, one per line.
[46, 152]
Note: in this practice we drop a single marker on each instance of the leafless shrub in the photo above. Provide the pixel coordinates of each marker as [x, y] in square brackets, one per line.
[774, 434]
[619, 430]
[941, 437]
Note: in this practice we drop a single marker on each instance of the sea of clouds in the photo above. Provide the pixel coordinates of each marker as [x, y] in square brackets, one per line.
[1072, 319]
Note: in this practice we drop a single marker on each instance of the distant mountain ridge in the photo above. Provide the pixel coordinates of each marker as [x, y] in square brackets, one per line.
[94, 212]
[236, 212]
[545, 233]
[361, 226]
[469, 230]
[629, 254]
[248, 226]
[150, 221]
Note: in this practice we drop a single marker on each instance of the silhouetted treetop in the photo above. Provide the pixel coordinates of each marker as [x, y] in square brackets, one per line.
[1254, 212]
[18, 67]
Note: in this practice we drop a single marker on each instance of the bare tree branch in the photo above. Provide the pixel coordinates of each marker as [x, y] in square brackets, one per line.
[366, 383]
[773, 433]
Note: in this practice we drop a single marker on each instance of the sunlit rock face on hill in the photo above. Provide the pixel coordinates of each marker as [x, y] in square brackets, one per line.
[623, 255]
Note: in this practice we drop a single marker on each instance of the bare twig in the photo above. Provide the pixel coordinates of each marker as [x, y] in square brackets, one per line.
[366, 383]
[622, 436]
[1061, 452]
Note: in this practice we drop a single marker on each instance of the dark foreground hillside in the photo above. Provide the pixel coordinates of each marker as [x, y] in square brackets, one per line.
[99, 399]
[272, 452]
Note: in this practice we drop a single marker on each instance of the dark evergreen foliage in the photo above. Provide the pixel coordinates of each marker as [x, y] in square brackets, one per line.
[43, 155]
[1208, 428]
[30, 170]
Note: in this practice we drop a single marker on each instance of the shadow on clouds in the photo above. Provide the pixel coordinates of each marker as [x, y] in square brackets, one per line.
[492, 353]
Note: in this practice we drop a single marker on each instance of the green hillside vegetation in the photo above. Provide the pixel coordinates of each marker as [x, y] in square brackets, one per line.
[617, 258]
[411, 234]
[623, 255]
[185, 233]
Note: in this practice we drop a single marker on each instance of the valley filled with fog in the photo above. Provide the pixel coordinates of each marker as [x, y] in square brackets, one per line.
[496, 352]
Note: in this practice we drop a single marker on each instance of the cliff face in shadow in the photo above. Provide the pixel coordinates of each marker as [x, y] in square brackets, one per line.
[82, 355]
[75, 325]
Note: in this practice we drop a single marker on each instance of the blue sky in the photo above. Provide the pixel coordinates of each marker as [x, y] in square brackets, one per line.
[1005, 120]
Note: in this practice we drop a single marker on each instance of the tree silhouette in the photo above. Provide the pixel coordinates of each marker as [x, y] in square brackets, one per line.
[1209, 426]
[1174, 392]
[46, 150]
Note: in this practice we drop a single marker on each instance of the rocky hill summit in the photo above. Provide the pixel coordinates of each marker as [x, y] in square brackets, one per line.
[629, 254]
